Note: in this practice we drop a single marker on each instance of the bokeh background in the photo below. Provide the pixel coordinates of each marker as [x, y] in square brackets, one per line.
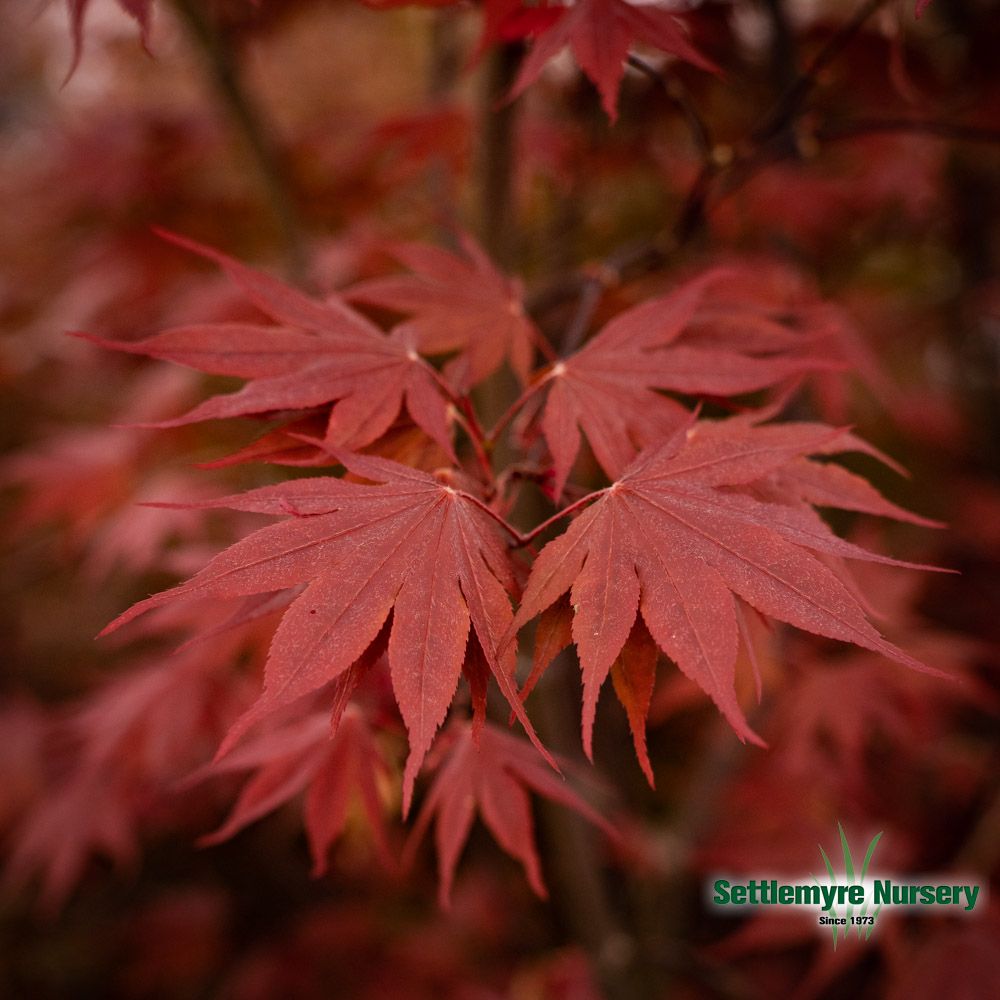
[302, 135]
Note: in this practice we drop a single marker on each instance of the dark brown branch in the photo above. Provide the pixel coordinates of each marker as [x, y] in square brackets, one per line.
[692, 212]
[732, 169]
[781, 57]
[247, 118]
[792, 102]
[694, 209]
[573, 857]
[678, 95]
[496, 154]
[444, 66]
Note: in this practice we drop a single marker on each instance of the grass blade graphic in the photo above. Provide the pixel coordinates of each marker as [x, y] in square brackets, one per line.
[833, 881]
[864, 871]
[851, 877]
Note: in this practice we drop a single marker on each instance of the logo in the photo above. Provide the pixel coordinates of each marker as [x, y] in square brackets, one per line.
[849, 898]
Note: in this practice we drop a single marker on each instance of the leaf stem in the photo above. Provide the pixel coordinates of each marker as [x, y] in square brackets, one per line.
[525, 538]
[512, 411]
[486, 509]
[470, 422]
[528, 537]
[481, 442]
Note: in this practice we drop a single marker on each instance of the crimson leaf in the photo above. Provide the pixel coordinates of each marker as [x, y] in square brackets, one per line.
[677, 536]
[414, 546]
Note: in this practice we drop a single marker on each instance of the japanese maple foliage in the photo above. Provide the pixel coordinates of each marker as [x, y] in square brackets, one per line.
[432, 372]
[489, 771]
[706, 513]
[458, 305]
[601, 34]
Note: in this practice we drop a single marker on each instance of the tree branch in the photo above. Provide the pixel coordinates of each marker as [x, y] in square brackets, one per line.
[879, 126]
[735, 168]
[249, 122]
[496, 154]
[790, 104]
[678, 95]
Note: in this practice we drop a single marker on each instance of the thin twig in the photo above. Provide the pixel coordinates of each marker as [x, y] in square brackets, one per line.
[479, 445]
[782, 52]
[734, 170]
[694, 209]
[590, 296]
[936, 129]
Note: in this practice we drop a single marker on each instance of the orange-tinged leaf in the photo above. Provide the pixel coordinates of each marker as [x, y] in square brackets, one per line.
[553, 633]
[476, 671]
[633, 675]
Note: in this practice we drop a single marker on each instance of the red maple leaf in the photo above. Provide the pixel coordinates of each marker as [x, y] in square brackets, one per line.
[299, 443]
[677, 536]
[321, 352]
[490, 773]
[117, 754]
[457, 303]
[75, 820]
[600, 34]
[607, 389]
[332, 768]
[431, 554]
[509, 20]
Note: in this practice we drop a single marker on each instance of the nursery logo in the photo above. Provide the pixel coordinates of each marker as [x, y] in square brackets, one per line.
[849, 898]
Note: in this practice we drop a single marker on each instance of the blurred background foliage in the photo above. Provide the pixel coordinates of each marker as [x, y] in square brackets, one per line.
[304, 134]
